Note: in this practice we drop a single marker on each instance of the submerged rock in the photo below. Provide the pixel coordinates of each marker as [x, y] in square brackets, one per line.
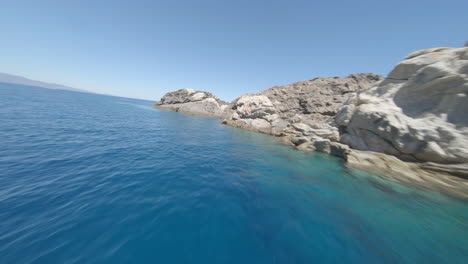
[192, 102]
[430, 176]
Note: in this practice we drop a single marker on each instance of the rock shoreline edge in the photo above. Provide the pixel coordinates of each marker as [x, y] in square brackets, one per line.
[410, 127]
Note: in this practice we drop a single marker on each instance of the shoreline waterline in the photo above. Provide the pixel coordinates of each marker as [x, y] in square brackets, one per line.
[411, 175]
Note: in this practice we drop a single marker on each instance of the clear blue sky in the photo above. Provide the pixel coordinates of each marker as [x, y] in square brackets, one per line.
[143, 49]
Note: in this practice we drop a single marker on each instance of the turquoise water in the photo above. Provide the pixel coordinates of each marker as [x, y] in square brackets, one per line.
[88, 178]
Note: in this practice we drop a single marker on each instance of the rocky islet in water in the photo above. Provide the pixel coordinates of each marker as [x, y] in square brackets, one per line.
[411, 126]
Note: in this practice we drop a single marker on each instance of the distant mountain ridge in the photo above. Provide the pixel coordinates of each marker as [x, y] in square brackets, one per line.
[10, 78]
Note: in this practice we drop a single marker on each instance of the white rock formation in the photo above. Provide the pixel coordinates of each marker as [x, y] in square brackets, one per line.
[418, 113]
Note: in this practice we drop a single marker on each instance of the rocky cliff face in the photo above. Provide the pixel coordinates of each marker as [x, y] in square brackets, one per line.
[303, 112]
[192, 102]
[418, 113]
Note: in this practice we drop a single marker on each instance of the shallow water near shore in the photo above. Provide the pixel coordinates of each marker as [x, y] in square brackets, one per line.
[88, 178]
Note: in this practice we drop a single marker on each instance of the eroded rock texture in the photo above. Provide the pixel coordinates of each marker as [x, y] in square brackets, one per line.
[303, 112]
[418, 113]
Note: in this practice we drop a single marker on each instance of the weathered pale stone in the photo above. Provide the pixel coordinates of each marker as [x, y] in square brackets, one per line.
[422, 116]
[301, 127]
[253, 106]
[197, 96]
[191, 102]
[260, 124]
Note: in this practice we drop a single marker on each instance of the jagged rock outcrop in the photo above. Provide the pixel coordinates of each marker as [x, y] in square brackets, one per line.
[303, 112]
[418, 113]
[192, 102]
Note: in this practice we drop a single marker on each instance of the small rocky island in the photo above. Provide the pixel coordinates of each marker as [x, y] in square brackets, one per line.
[188, 101]
[411, 126]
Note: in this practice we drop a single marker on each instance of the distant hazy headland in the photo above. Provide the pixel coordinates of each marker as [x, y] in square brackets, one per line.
[9, 78]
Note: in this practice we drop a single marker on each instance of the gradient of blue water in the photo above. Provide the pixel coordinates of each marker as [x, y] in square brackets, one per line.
[88, 178]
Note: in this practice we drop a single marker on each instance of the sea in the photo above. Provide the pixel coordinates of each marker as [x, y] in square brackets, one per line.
[88, 178]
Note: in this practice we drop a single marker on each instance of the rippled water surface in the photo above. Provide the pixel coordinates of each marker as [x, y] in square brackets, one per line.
[88, 178]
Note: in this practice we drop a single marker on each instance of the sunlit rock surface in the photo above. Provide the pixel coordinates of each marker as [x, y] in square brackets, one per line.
[418, 113]
[192, 102]
[303, 112]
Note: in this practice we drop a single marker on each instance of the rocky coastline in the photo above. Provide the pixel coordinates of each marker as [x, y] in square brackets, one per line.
[410, 127]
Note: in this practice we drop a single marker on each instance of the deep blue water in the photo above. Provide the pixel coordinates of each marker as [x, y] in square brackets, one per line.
[88, 178]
